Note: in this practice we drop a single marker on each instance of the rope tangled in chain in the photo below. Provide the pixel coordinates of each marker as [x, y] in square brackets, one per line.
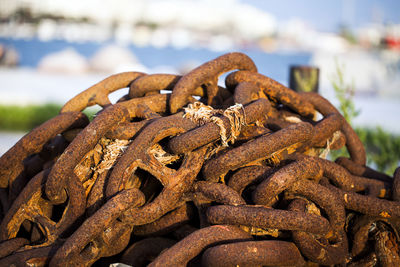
[161, 155]
[112, 152]
[202, 114]
[324, 154]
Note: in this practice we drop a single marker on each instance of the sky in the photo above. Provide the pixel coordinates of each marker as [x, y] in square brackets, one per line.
[327, 15]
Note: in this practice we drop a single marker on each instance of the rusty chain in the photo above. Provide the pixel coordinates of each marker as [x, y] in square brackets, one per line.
[241, 177]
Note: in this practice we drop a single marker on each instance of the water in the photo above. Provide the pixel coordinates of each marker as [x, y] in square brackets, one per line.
[274, 65]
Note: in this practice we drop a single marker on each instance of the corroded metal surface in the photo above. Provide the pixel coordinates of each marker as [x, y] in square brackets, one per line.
[253, 253]
[248, 175]
[362, 170]
[145, 251]
[12, 161]
[72, 251]
[155, 83]
[11, 245]
[31, 205]
[243, 177]
[98, 93]
[353, 142]
[272, 89]
[167, 223]
[267, 192]
[396, 185]
[219, 193]
[316, 249]
[262, 217]
[206, 73]
[257, 149]
[193, 244]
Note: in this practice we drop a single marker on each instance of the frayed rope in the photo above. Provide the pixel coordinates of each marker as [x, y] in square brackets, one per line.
[161, 155]
[112, 152]
[329, 142]
[202, 114]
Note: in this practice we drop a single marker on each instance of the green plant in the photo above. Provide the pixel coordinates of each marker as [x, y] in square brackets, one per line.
[344, 93]
[382, 148]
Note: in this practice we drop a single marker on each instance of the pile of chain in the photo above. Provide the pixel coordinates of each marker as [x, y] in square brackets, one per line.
[204, 175]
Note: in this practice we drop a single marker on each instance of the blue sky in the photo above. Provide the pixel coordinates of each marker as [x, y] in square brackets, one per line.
[327, 15]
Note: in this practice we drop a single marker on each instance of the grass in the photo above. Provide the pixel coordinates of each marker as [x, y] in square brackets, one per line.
[25, 118]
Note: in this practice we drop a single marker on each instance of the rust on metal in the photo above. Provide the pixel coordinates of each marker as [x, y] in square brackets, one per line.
[248, 175]
[267, 192]
[353, 142]
[246, 92]
[145, 251]
[362, 170]
[11, 245]
[33, 257]
[273, 90]
[98, 93]
[368, 204]
[253, 253]
[218, 193]
[189, 247]
[12, 161]
[262, 217]
[396, 185]
[175, 182]
[259, 148]
[72, 251]
[207, 72]
[317, 249]
[155, 83]
[32, 206]
[167, 223]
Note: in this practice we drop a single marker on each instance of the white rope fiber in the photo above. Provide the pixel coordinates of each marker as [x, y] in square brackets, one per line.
[112, 152]
[202, 114]
[324, 154]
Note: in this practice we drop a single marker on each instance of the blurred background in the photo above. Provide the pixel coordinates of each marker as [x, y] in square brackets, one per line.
[51, 50]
